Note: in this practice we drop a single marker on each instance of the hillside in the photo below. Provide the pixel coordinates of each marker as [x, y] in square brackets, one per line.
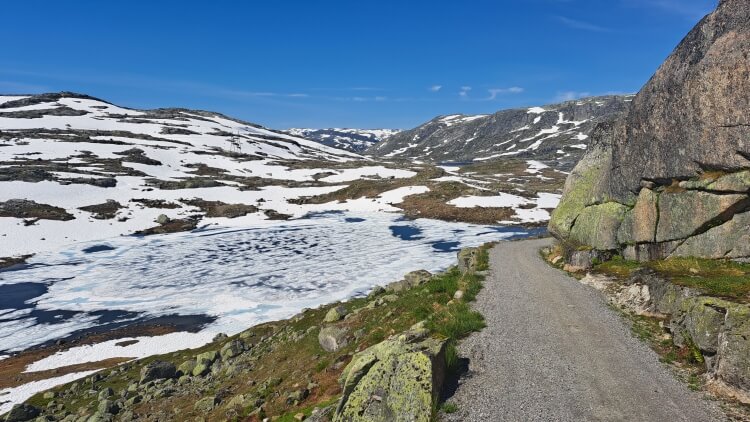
[354, 140]
[76, 168]
[556, 134]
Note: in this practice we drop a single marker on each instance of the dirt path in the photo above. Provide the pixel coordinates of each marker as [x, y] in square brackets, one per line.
[554, 351]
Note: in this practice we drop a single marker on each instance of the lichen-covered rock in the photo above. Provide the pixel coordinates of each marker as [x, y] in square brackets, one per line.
[587, 183]
[232, 349]
[398, 379]
[733, 367]
[332, 338]
[732, 182]
[336, 313]
[467, 259]
[729, 240]
[639, 224]
[597, 226]
[685, 139]
[186, 367]
[416, 278]
[684, 214]
[157, 369]
[206, 404]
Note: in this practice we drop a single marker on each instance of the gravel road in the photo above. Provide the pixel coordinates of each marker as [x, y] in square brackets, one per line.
[554, 351]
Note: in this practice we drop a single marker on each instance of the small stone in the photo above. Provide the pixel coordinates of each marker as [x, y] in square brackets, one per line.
[232, 349]
[220, 337]
[108, 407]
[106, 393]
[336, 313]
[50, 395]
[206, 404]
[332, 338]
[299, 417]
[458, 295]
[162, 219]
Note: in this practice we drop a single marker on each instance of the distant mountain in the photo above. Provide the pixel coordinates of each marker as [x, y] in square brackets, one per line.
[557, 133]
[355, 140]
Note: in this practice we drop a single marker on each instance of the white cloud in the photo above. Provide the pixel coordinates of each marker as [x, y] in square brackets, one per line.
[464, 93]
[436, 88]
[494, 92]
[571, 95]
[585, 26]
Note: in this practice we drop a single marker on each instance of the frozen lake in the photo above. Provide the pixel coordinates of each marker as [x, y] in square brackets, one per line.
[222, 280]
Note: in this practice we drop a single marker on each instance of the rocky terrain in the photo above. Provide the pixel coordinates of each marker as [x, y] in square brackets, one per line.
[354, 140]
[555, 134]
[387, 356]
[671, 178]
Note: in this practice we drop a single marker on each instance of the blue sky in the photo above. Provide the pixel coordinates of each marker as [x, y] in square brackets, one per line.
[356, 63]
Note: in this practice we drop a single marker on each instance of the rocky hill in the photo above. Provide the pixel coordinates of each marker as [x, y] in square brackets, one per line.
[672, 177]
[354, 140]
[77, 168]
[556, 134]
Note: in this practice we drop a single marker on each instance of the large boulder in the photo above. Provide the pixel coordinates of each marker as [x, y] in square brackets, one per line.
[398, 379]
[676, 167]
[692, 115]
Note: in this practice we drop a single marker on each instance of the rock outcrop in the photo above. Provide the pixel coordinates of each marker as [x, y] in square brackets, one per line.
[718, 329]
[671, 177]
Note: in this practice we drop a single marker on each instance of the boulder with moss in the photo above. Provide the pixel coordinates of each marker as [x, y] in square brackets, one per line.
[398, 379]
[672, 175]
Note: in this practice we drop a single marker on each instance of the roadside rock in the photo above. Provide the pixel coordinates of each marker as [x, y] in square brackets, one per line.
[467, 259]
[673, 175]
[398, 379]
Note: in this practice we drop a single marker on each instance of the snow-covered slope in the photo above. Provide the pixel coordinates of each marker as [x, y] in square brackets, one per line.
[355, 140]
[555, 133]
[75, 168]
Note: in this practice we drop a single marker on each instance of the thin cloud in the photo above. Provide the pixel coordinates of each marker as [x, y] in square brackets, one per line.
[436, 88]
[464, 93]
[494, 92]
[690, 9]
[570, 95]
[12, 87]
[578, 24]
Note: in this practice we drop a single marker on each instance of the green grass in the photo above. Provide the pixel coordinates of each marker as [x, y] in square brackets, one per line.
[618, 267]
[713, 277]
[450, 408]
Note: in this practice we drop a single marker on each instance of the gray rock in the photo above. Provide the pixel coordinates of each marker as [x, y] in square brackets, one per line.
[232, 349]
[162, 219]
[157, 370]
[332, 338]
[22, 412]
[669, 142]
[206, 404]
[336, 313]
[416, 278]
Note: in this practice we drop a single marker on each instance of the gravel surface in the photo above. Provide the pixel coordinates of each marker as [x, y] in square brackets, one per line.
[554, 351]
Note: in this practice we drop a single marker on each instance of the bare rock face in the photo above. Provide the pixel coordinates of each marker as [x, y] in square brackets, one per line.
[694, 113]
[672, 175]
